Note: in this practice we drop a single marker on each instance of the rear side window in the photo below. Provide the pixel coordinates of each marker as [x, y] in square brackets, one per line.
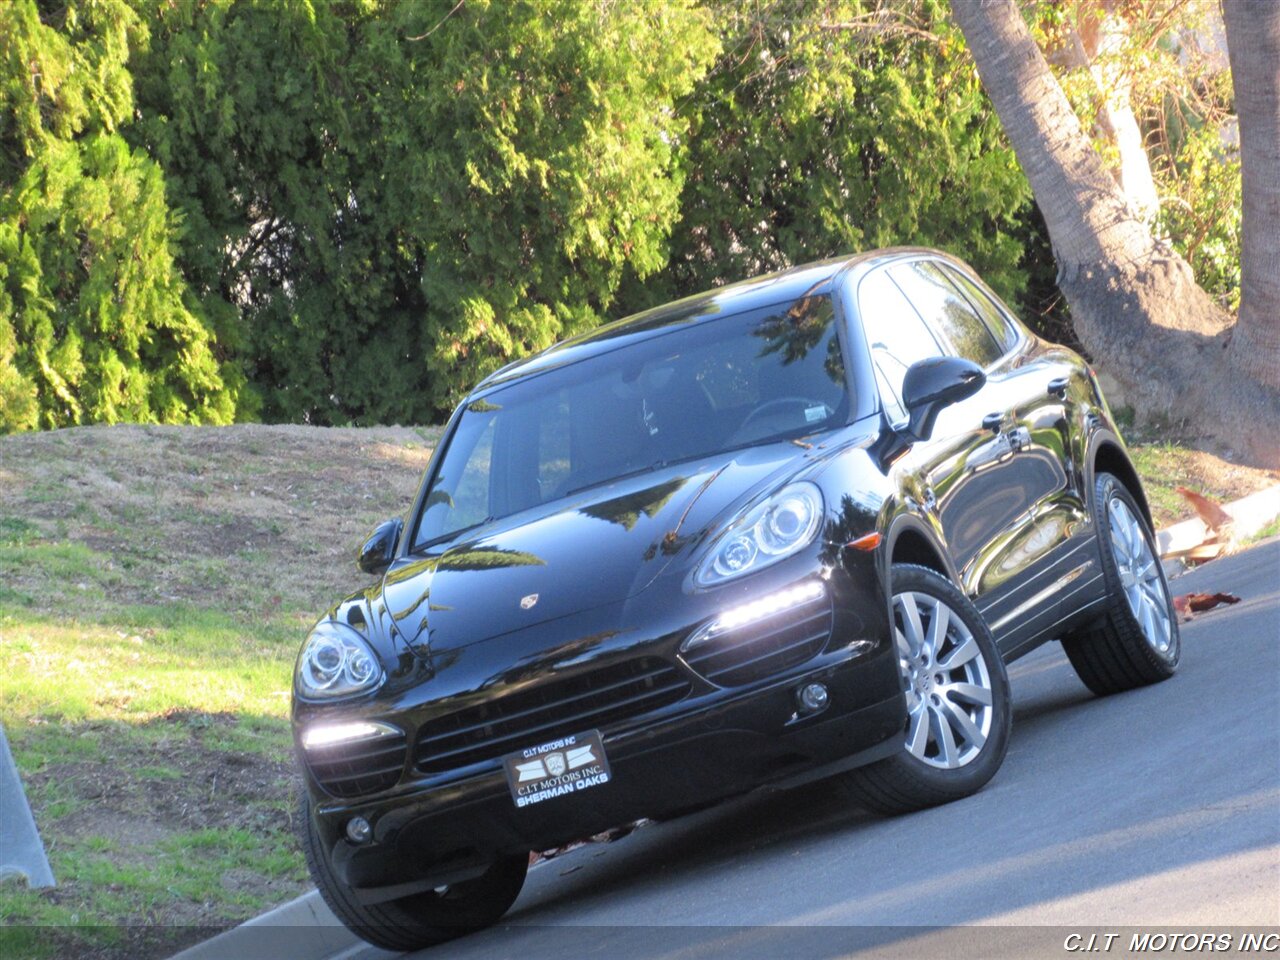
[896, 335]
[947, 312]
[997, 322]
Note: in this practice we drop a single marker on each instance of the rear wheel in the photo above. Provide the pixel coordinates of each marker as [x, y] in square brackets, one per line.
[421, 919]
[1135, 641]
[957, 694]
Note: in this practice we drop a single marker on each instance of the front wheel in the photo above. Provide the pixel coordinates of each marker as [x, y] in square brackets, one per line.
[957, 694]
[1135, 641]
[421, 919]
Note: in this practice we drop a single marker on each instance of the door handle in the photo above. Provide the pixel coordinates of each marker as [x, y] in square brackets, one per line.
[1058, 387]
[993, 421]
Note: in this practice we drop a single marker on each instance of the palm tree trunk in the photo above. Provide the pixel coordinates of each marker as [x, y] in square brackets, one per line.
[1253, 46]
[1133, 171]
[1102, 33]
[1134, 302]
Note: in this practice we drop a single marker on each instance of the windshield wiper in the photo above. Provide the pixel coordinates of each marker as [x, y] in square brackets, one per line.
[454, 534]
[622, 476]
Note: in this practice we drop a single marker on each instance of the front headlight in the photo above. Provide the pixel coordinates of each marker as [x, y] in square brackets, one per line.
[336, 662]
[768, 532]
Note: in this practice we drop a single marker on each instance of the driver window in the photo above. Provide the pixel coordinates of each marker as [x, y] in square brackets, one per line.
[896, 335]
[470, 502]
[947, 311]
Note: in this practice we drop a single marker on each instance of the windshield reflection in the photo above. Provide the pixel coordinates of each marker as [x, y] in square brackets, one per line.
[691, 390]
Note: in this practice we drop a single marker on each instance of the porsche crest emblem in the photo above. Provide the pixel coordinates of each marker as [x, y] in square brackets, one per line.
[527, 603]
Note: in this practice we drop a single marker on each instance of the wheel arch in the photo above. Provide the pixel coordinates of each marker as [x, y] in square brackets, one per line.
[1107, 455]
[911, 541]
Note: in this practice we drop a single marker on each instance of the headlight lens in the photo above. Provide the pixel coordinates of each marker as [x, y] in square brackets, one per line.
[336, 662]
[770, 531]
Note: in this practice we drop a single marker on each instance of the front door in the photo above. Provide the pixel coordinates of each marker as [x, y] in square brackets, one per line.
[995, 474]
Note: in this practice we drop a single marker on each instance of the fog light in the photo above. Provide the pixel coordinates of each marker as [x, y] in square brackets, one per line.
[358, 830]
[813, 697]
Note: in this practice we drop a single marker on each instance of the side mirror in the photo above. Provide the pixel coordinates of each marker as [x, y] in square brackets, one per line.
[933, 384]
[380, 549]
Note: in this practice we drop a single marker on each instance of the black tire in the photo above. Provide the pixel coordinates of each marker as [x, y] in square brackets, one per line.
[905, 781]
[419, 920]
[1113, 653]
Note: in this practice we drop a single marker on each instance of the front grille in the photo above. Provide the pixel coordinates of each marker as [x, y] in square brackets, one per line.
[554, 709]
[764, 648]
[358, 767]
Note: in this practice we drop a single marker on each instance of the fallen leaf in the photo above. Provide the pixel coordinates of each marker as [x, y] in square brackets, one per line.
[1207, 601]
[1189, 604]
[608, 836]
[1209, 511]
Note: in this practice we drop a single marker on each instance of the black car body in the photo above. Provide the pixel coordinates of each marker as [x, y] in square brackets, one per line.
[583, 609]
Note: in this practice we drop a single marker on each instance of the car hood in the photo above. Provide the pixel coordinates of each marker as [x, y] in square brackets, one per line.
[598, 547]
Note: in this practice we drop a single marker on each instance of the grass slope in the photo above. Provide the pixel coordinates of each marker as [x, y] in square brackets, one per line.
[154, 585]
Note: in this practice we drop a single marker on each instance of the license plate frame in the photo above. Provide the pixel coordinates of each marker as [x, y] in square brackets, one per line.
[558, 768]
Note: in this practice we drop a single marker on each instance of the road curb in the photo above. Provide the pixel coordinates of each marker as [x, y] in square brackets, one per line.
[302, 929]
[1249, 515]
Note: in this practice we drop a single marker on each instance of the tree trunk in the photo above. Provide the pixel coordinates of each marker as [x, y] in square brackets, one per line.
[1095, 44]
[1253, 46]
[1102, 36]
[1134, 302]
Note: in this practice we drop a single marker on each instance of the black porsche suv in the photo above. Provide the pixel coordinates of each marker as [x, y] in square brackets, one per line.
[791, 528]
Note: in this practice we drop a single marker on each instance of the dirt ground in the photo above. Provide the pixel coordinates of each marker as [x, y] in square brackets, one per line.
[1166, 466]
[231, 528]
[292, 502]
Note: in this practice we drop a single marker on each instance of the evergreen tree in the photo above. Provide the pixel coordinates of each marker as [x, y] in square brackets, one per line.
[401, 198]
[833, 126]
[96, 323]
[349, 211]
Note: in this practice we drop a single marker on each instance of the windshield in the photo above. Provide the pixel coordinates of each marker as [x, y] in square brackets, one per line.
[699, 389]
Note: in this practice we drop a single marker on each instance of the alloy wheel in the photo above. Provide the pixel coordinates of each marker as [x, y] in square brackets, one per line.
[1139, 570]
[946, 681]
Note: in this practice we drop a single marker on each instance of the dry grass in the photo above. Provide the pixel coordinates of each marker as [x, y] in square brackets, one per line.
[154, 585]
[1166, 465]
[224, 517]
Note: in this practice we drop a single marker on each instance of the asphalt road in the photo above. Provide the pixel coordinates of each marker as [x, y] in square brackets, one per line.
[1154, 809]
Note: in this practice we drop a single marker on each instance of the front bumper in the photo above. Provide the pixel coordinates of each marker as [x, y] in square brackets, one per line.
[712, 747]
